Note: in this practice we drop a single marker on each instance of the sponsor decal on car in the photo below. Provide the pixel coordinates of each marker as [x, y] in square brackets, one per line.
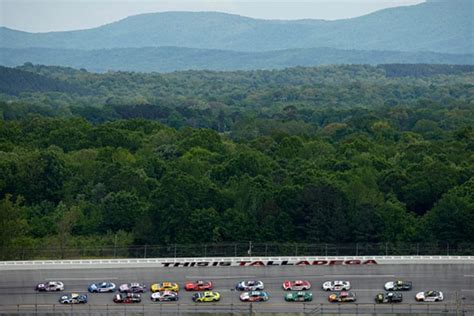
[268, 263]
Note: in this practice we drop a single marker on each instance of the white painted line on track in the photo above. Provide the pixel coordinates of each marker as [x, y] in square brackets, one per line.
[219, 277]
[469, 275]
[366, 290]
[80, 279]
[359, 276]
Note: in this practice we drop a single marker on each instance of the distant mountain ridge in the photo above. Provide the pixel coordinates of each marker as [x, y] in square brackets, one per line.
[168, 59]
[434, 26]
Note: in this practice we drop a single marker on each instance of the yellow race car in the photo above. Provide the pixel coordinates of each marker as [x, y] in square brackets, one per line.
[207, 296]
[165, 286]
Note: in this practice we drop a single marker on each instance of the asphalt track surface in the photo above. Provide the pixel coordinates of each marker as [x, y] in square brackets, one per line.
[456, 281]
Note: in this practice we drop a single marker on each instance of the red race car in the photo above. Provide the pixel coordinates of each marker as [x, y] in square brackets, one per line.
[198, 286]
[297, 285]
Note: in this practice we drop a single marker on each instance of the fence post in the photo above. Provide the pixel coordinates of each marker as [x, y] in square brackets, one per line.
[115, 246]
[357, 248]
[386, 249]
[447, 249]
[296, 249]
[175, 250]
[144, 251]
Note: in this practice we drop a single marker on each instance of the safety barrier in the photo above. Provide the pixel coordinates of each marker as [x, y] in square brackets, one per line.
[243, 261]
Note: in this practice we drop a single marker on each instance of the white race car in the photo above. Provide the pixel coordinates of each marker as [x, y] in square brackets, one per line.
[251, 285]
[337, 286]
[429, 296]
[50, 286]
[132, 288]
[101, 287]
[165, 296]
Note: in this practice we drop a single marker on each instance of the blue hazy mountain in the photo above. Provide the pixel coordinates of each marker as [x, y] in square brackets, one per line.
[166, 59]
[434, 26]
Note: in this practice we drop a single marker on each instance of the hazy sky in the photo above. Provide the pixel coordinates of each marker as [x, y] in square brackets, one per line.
[60, 15]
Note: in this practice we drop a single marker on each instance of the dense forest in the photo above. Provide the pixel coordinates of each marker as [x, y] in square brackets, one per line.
[326, 154]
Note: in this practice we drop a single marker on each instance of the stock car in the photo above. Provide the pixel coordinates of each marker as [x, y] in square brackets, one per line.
[389, 297]
[398, 285]
[128, 298]
[299, 297]
[73, 298]
[132, 288]
[254, 296]
[429, 296]
[165, 286]
[343, 296]
[198, 286]
[207, 296]
[297, 285]
[165, 296]
[251, 285]
[101, 287]
[337, 286]
[50, 286]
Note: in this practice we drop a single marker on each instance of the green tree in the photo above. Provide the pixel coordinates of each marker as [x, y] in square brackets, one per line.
[13, 224]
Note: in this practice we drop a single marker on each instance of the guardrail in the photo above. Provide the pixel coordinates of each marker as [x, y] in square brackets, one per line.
[239, 250]
[240, 262]
[241, 309]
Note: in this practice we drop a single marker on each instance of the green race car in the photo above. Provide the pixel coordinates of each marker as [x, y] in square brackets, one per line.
[299, 297]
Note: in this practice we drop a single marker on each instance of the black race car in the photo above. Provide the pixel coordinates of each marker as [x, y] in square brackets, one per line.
[127, 298]
[389, 297]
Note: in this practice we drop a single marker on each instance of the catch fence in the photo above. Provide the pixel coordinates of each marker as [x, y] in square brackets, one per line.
[256, 309]
[239, 250]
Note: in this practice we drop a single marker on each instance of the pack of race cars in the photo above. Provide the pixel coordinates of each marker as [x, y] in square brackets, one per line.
[252, 291]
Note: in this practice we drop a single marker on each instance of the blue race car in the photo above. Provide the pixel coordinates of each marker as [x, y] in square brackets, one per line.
[73, 298]
[101, 287]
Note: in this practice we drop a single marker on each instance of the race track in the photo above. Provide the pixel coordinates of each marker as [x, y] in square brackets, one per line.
[456, 281]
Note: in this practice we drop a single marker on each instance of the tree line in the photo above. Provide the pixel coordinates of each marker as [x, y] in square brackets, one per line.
[286, 156]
